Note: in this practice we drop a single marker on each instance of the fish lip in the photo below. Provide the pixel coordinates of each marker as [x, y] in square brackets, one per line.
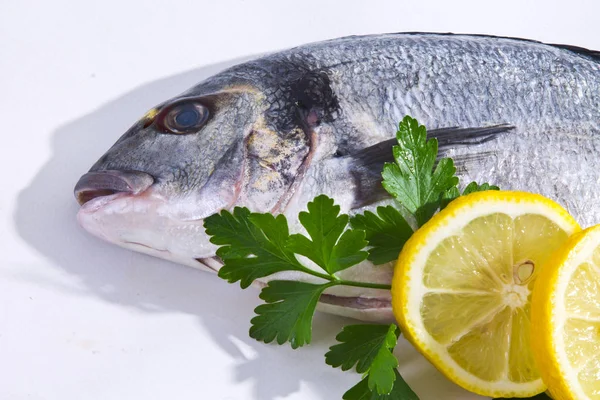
[97, 203]
[105, 183]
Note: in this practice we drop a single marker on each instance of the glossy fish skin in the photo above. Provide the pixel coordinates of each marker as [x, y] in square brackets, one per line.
[318, 119]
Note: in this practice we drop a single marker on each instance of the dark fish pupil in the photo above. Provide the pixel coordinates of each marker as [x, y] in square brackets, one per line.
[187, 118]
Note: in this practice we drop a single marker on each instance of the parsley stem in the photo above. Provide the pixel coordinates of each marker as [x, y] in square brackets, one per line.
[365, 285]
[335, 281]
[329, 278]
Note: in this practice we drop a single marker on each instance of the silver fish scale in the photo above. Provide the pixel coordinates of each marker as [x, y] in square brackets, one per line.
[549, 94]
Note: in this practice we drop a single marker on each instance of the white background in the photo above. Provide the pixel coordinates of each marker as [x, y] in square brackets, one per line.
[80, 319]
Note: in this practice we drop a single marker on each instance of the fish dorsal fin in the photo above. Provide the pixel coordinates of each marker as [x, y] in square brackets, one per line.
[366, 165]
[593, 54]
[582, 51]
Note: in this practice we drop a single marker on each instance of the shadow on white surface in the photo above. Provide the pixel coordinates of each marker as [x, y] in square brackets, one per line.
[45, 218]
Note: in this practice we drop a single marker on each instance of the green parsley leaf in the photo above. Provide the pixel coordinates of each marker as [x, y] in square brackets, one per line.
[358, 346]
[252, 245]
[412, 179]
[370, 348]
[386, 232]
[449, 196]
[472, 187]
[288, 314]
[475, 187]
[381, 372]
[331, 248]
[400, 391]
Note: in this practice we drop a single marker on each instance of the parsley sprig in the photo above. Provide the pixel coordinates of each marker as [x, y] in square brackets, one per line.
[258, 245]
[386, 232]
[472, 187]
[370, 347]
[420, 188]
[412, 179]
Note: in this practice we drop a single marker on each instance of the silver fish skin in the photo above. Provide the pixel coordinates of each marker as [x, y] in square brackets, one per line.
[273, 133]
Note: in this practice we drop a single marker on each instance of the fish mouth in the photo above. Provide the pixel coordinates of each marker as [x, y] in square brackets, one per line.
[128, 208]
[102, 184]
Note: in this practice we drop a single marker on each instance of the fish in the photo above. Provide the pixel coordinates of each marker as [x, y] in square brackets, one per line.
[272, 133]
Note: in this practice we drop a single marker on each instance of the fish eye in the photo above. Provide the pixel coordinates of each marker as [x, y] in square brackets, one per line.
[185, 118]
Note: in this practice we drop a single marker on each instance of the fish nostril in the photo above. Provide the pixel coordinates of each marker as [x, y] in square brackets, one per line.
[105, 183]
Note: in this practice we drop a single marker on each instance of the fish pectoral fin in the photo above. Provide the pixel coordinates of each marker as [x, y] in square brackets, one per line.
[467, 162]
[449, 138]
[365, 168]
[366, 165]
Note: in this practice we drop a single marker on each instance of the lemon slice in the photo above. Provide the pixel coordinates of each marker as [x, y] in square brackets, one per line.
[566, 319]
[462, 288]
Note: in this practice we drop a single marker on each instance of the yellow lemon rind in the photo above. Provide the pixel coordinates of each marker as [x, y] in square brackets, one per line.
[548, 313]
[406, 296]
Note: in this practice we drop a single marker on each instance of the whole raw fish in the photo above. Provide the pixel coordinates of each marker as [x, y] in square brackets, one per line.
[273, 133]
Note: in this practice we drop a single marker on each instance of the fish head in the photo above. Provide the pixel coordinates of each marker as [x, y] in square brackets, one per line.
[217, 146]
